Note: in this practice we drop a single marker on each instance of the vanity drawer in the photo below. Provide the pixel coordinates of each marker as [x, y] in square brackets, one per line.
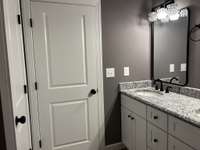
[174, 144]
[157, 139]
[133, 105]
[186, 132]
[156, 117]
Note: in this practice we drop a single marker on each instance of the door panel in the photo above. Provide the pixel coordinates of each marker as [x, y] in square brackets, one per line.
[65, 50]
[63, 69]
[74, 126]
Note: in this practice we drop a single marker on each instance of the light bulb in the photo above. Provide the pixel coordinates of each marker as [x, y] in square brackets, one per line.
[152, 16]
[165, 20]
[184, 12]
[174, 17]
[173, 11]
[162, 13]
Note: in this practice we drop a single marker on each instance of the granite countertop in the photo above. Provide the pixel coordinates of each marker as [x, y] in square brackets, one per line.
[179, 105]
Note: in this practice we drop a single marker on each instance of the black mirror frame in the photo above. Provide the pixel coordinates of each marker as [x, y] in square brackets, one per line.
[188, 46]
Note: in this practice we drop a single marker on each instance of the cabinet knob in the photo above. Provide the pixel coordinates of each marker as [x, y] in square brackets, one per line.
[155, 117]
[129, 116]
[132, 118]
[21, 120]
[155, 140]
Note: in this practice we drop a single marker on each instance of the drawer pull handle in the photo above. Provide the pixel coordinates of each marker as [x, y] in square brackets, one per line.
[155, 117]
[129, 116]
[155, 140]
[132, 118]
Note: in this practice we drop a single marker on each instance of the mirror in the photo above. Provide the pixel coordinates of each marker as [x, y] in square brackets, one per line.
[170, 50]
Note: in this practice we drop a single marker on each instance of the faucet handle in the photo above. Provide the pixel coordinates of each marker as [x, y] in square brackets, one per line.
[156, 87]
[174, 78]
[167, 89]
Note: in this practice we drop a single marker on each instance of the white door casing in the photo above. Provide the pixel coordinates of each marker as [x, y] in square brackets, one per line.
[66, 52]
[17, 73]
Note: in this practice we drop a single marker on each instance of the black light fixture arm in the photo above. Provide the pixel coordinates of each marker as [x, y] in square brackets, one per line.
[164, 4]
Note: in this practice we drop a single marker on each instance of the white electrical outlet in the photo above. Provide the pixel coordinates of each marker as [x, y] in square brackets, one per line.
[171, 68]
[126, 71]
[110, 72]
[183, 67]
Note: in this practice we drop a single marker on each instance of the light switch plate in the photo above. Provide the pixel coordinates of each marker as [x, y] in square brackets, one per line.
[171, 68]
[110, 72]
[126, 71]
[183, 67]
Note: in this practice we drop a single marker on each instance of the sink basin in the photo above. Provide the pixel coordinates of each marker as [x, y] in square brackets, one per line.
[197, 112]
[148, 93]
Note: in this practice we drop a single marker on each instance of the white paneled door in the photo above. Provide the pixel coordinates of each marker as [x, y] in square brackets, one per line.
[65, 48]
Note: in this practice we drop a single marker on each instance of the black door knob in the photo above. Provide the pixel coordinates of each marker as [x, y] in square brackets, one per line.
[21, 120]
[93, 92]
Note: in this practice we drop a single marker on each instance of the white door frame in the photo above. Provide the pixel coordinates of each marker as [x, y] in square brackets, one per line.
[7, 78]
[26, 15]
[5, 87]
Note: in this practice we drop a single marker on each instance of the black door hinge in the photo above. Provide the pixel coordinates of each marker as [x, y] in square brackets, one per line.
[19, 20]
[25, 89]
[31, 22]
[36, 86]
[40, 143]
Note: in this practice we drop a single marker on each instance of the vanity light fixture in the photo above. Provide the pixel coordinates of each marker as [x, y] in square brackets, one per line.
[152, 16]
[183, 12]
[173, 11]
[166, 12]
[162, 13]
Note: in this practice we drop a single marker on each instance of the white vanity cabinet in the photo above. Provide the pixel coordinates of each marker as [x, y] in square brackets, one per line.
[174, 144]
[127, 125]
[133, 127]
[186, 132]
[157, 139]
[147, 128]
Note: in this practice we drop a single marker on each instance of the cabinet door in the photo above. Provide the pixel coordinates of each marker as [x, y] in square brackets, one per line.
[126, 128]
[138, 132]
[186, 132]
[133, 132]
[174, 144]
[157, 139]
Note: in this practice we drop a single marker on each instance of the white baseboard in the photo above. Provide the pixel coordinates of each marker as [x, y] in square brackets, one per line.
[116, 146]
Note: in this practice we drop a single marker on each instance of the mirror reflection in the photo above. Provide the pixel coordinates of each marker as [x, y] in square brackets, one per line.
[170, 49]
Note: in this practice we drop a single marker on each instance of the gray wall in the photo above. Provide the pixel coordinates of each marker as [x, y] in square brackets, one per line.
[194, 59]
[126, 42]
